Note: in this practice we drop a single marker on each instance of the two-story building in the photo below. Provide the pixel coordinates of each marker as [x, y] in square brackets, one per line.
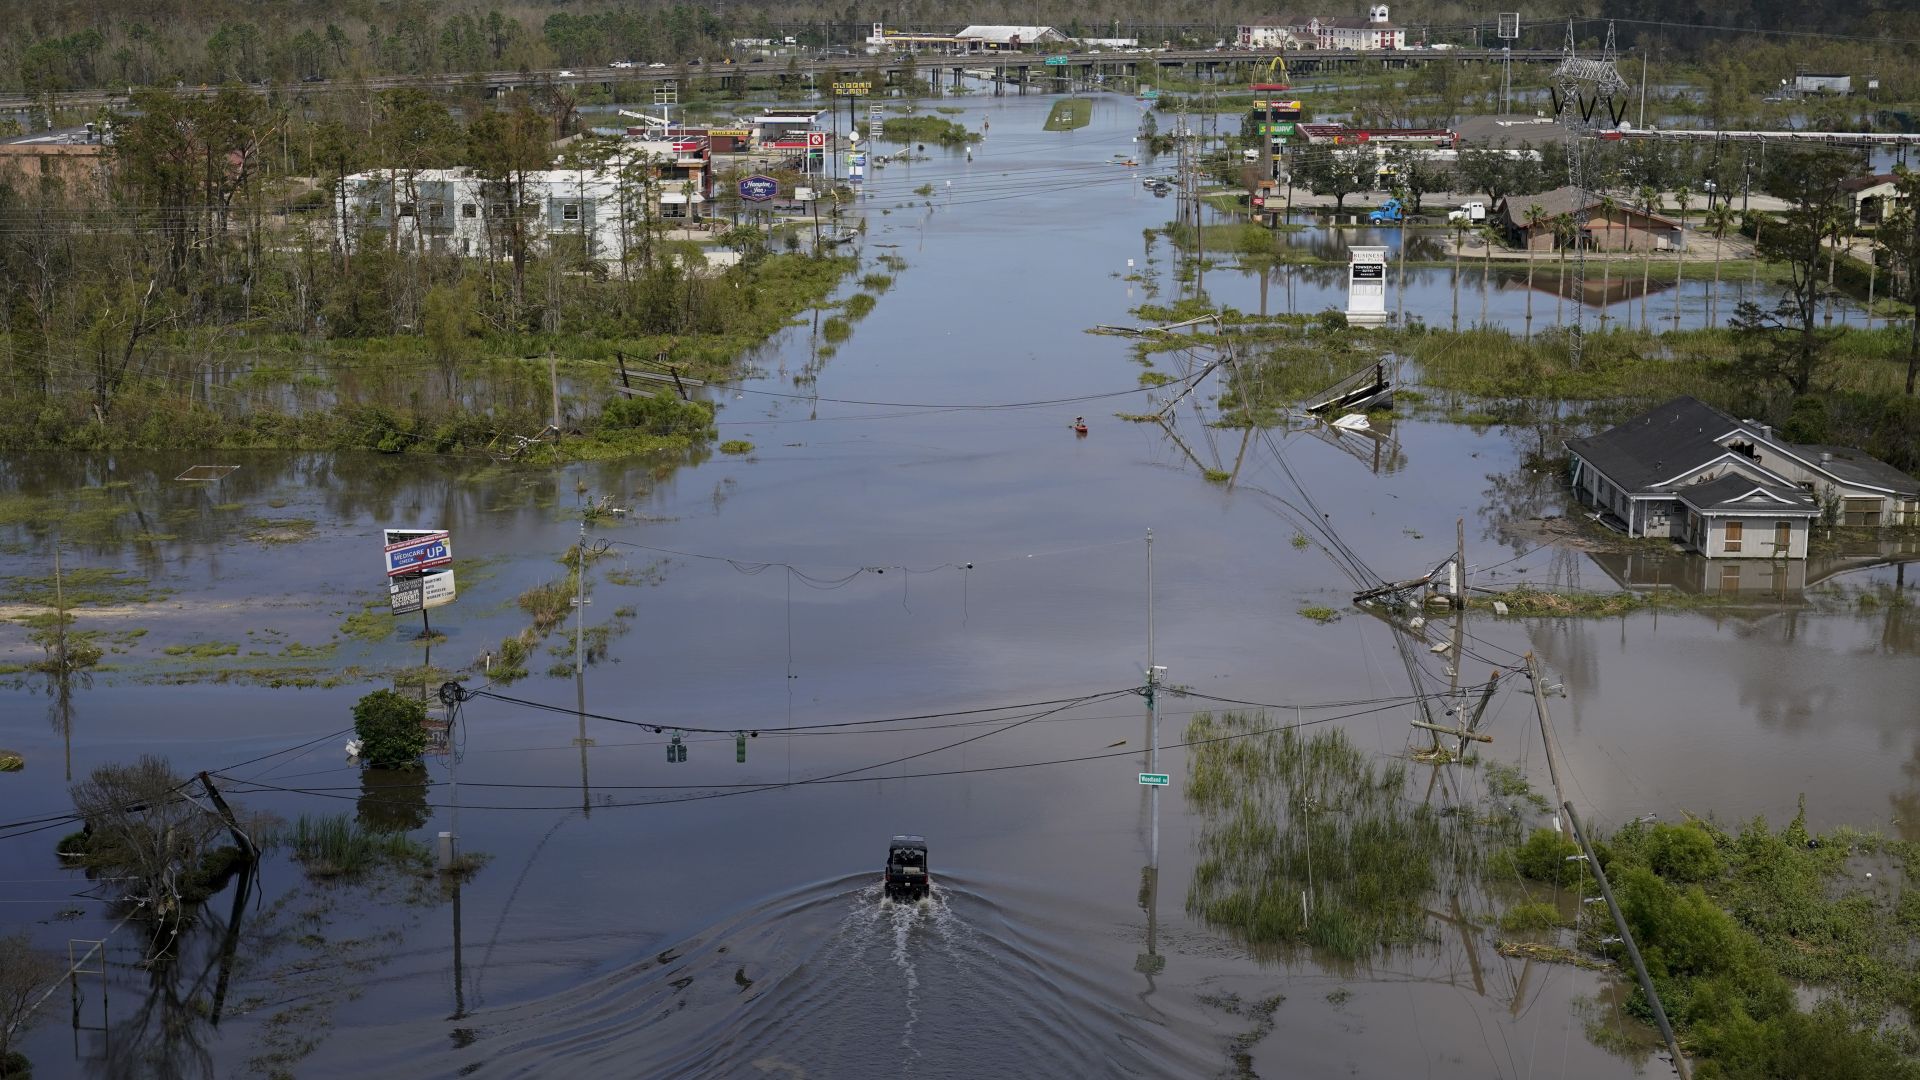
[597, 211]
[1731, 488]
[1278, 32]
[1374, 31]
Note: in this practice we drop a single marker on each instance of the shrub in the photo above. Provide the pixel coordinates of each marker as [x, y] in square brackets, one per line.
[1684, 853]
[658, 416]
[391, 728]
[1546, 856]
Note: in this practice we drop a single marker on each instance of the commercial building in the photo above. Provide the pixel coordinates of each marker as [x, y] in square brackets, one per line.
[1872, 198]
[1278, 32]
[995, 38]
[599, 211]
[1536, 222]
[74, 158]
[1373, 31]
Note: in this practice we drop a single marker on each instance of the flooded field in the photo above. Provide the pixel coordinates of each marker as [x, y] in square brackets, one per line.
[915, 535]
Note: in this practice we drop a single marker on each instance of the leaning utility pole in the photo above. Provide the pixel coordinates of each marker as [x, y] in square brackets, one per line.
[1564, 806]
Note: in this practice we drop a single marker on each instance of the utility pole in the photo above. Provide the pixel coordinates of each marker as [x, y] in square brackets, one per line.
[240, 836]
[1153, 718]
[579, 659]
[1640, 122]
[553, 382]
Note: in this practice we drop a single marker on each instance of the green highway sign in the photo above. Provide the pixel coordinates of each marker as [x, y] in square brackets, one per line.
[1056, 61]
[1155, 779]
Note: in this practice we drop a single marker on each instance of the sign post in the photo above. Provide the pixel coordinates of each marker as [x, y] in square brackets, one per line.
[419, 565]
[1367, 286]
[757, 188]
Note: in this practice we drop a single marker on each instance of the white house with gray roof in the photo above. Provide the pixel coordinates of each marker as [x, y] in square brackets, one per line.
[1731, 488]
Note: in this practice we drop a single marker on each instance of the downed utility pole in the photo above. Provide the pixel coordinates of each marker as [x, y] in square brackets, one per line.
[1599, 873]
[1633, 951]
[226, 814]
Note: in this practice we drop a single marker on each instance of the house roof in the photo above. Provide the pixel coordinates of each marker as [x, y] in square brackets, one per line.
[1658, 444]
[1858, 467]
[1356, 22]
[1284, 22]
[1563, 201]
[1862, 183]
[1734, 493]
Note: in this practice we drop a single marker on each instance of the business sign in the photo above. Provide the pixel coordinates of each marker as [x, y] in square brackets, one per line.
[411, 551]
[758, 188]
[1279, 129]
[729, 133]
[1155, 779]
[1056, 61]
[409, 593]
[1277, 105]
[852, 89]
[816, 138]
[686, 146]
[1368, 271]
[791, 144]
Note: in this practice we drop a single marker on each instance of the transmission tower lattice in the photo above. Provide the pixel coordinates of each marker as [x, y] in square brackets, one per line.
[1582, 86]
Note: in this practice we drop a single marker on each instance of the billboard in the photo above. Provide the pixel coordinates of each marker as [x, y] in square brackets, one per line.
[414, 550]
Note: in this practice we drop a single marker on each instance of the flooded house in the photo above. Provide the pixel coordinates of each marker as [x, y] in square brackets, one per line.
[1731, 488]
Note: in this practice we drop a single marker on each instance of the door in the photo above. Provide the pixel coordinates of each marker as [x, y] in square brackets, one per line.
[1733, 537]
[1783, 539]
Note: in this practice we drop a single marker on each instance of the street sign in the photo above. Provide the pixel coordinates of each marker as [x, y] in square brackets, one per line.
[1056, 61]
[1155, 779]
[413, 550]
[852, 89]
[759, 188]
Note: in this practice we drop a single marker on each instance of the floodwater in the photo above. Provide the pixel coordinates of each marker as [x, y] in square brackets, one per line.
[892, 548]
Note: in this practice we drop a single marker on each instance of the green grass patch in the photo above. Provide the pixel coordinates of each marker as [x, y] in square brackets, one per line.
[1069, 114]
[372, 623]
[1321, 615]
[859, 305]
[836, 329]
[203, 650]
[280, 530]
[927, 129]
[1534, 917]
[335, 846]
[736, 446]
[1532, 603]
[12, 761]
[82, 586]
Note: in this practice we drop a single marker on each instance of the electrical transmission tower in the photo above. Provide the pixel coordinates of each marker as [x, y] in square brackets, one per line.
[1581, 87]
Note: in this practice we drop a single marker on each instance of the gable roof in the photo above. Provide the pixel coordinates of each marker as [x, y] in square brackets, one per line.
[1857, 467]
[1657, 445]
[1735, 493]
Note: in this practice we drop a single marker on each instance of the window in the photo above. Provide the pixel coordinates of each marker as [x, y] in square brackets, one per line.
[1782, 537]
[469, 210]
[1860, 512]
[570, 211]
[406, 209]
[1732, 534]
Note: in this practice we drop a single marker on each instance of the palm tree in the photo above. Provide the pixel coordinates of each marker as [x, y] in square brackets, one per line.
[1608, 204]
[1683, 199]
[1535, 216]
[1719, 221]
[1649, 201]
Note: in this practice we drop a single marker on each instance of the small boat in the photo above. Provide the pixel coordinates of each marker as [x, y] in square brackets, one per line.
[906, 876]
[1079, 425]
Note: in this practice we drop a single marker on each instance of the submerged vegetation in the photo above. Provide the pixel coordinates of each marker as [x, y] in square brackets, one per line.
[1070, 113]
[1306, 840]
[334, 845]
[928, 129]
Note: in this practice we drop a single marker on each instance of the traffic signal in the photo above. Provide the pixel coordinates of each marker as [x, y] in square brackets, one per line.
[676, 751]
[740, 748]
